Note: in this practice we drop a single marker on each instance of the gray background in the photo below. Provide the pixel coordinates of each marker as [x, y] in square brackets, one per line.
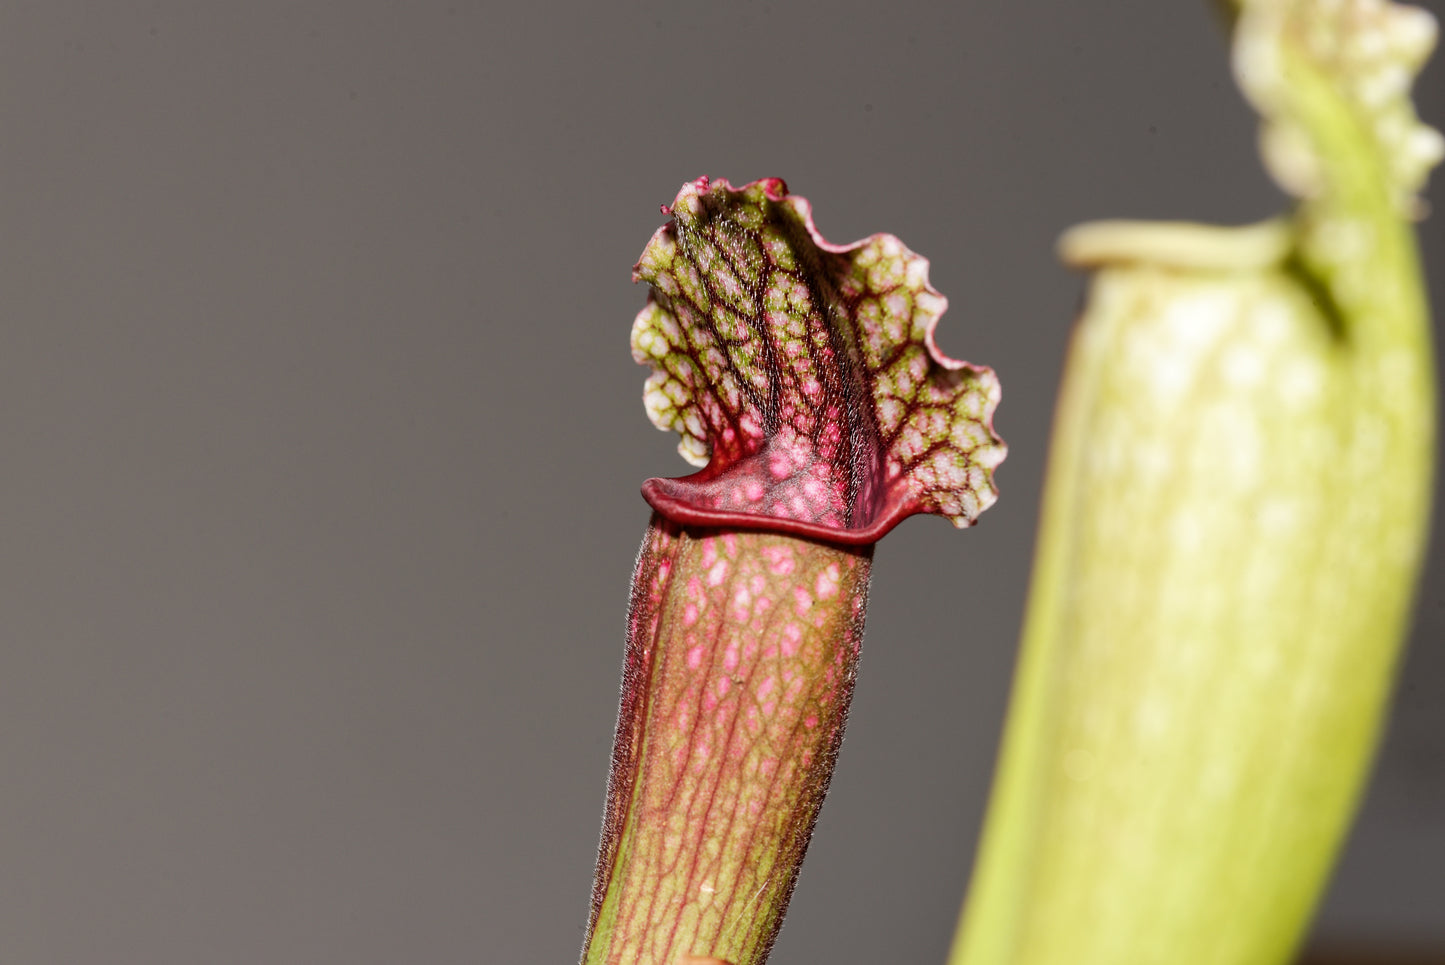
[321, 445]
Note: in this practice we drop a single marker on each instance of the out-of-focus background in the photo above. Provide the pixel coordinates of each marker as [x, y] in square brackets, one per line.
[321, 448]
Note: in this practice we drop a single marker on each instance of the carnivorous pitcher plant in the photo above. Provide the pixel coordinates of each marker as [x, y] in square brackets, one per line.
[1232, 531]
[805, 383]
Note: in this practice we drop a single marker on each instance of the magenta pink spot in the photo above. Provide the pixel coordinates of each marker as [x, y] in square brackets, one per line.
[724, 684]
[810, 721]
[827, 585]
[780, 559]
[792, 636]
[766, 687]
[689, 614]
[742, 600]
[730, 658]
[694, 657]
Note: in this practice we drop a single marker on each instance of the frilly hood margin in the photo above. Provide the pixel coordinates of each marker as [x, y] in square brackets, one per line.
[803, 376]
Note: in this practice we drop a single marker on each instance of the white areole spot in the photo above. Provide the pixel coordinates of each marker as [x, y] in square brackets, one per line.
[1153, 460]
[1186, 531]
[1344, 239]
[1164, 355]
[1197, 320]
[1277, 516]
[1152, 717]
[694, 451]
[1242, 365]
[1301, 382]
[1168, 376]
[1218, 778]
[1236, 436]
[1270, 321]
